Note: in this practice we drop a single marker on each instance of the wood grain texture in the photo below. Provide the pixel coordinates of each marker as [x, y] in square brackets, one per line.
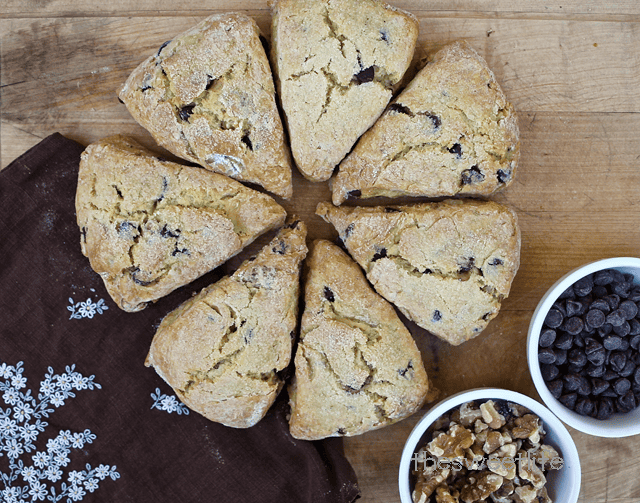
[570, 68]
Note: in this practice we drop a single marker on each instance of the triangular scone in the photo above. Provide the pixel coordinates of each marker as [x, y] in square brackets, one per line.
[447, 266]
[208, 96]
[357, 368]
[222, 351]
[150, 226]
[451, 131]
[336, 63]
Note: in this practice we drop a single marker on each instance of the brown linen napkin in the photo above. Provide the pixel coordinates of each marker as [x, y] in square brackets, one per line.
[81, 417]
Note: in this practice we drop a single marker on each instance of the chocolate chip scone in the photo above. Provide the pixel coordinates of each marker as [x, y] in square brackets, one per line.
[223, 351]
[208, 96]
[447, 266]
[357, 368]
[336, 64]
[451, 131]
[150, 226]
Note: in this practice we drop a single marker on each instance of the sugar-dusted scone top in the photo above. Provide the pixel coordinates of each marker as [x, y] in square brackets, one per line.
[208, 96]
[149, 226]
[447, 266]
[451, 131]
[357, 368]
[222, 351]
[336, 63]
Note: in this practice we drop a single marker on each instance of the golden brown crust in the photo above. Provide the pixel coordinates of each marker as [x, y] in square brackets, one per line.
[357, 366]
[451, 131]
[222, 350]
[208, 96]
[150, 226]
[336, 64]
[447, 266]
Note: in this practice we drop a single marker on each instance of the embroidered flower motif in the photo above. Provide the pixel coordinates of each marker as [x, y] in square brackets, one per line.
[168, 403]
[86, 309]
[21, 424]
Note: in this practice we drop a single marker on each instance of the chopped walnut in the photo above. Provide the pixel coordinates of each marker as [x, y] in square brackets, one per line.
[528, 426]
[544, 456]
[526, 493]
[452, 445]
[481, 488]
[529, 470]
[444, 495]
[469, 414]
[428, 486]
[479, 426]
[494, 440]
[505, 467]
[491, 416]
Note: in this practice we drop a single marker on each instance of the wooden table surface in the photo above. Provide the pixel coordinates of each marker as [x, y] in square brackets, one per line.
[571, 69]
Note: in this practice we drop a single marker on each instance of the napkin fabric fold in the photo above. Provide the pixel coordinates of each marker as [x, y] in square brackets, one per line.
[81, 417]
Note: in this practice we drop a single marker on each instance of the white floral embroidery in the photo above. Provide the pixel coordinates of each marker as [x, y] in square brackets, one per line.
[86, 309]
[167, 403]
[27, 475]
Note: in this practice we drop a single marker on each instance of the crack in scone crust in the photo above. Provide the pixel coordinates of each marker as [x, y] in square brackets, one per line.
[451, 131]
[224, 350]
[357, 367]
[149, 226]
[336, 64]
[447, 266]
[208, 96]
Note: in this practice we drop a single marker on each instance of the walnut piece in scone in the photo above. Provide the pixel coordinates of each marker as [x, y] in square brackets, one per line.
[451, 131]
[149, 226]
[447, 266]
[357, 368]
[336, 64]
[208, 96]
[223, 350]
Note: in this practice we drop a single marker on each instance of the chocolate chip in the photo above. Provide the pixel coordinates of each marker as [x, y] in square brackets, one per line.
[384, 35]
[437, 316]
[341, 431]
[178, 251]
[572, 382]
[573, 325]
[595, 318]
[349, 230]
[595, 352]
[456, 149]
[618, 361]
[381, 252]
[546, 355]
[634, 328]
[185, 112]
[605, 408]
[615, 318]
[547, 338]
[628, 370]
[549, 371]
[503, 176]
[567, 294]
[613, 300]
[496, 261]
[280, 248]
[605, 329]
[554, 318]
[555, 388]
[564, 341]
[401, 109]
[629, 309]
[603, 277]
[584, 406]
[601, 305]
[622, 289]
[598, 386]
[247, 141]
[162, 47]
[435, 120]
[636, 376]
[623, 330]
[366, 75]
[583, 286]
[471, 175]
[166, 233]
[573, 307]
[627, 402]
[609, 375]
[328, 294]
[595, 370]
[569, 400]
[561, 356]
[612, 342]
[577, 357]
[403, 372]
[599, 291]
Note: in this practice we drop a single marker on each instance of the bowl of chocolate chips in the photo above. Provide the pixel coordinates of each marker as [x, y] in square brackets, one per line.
[583, 348]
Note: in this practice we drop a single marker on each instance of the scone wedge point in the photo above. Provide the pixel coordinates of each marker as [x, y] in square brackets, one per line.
[208, 96]
[149, 226]
[447, 266]
[336, 64]
[223, 350]
[357, 368]
[451, 131]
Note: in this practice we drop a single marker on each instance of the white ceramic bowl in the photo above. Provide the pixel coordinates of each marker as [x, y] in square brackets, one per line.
[563, 485]
[619, 425]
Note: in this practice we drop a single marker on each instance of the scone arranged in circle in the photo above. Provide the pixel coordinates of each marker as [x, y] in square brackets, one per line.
[451, 131]
[222, 351]
[357, 368]
[208, 96]
[150, 226]
[447, 266]
[336, 64]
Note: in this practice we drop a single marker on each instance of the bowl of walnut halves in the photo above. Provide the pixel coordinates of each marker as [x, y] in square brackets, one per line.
[489, 445]
[583, 348]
